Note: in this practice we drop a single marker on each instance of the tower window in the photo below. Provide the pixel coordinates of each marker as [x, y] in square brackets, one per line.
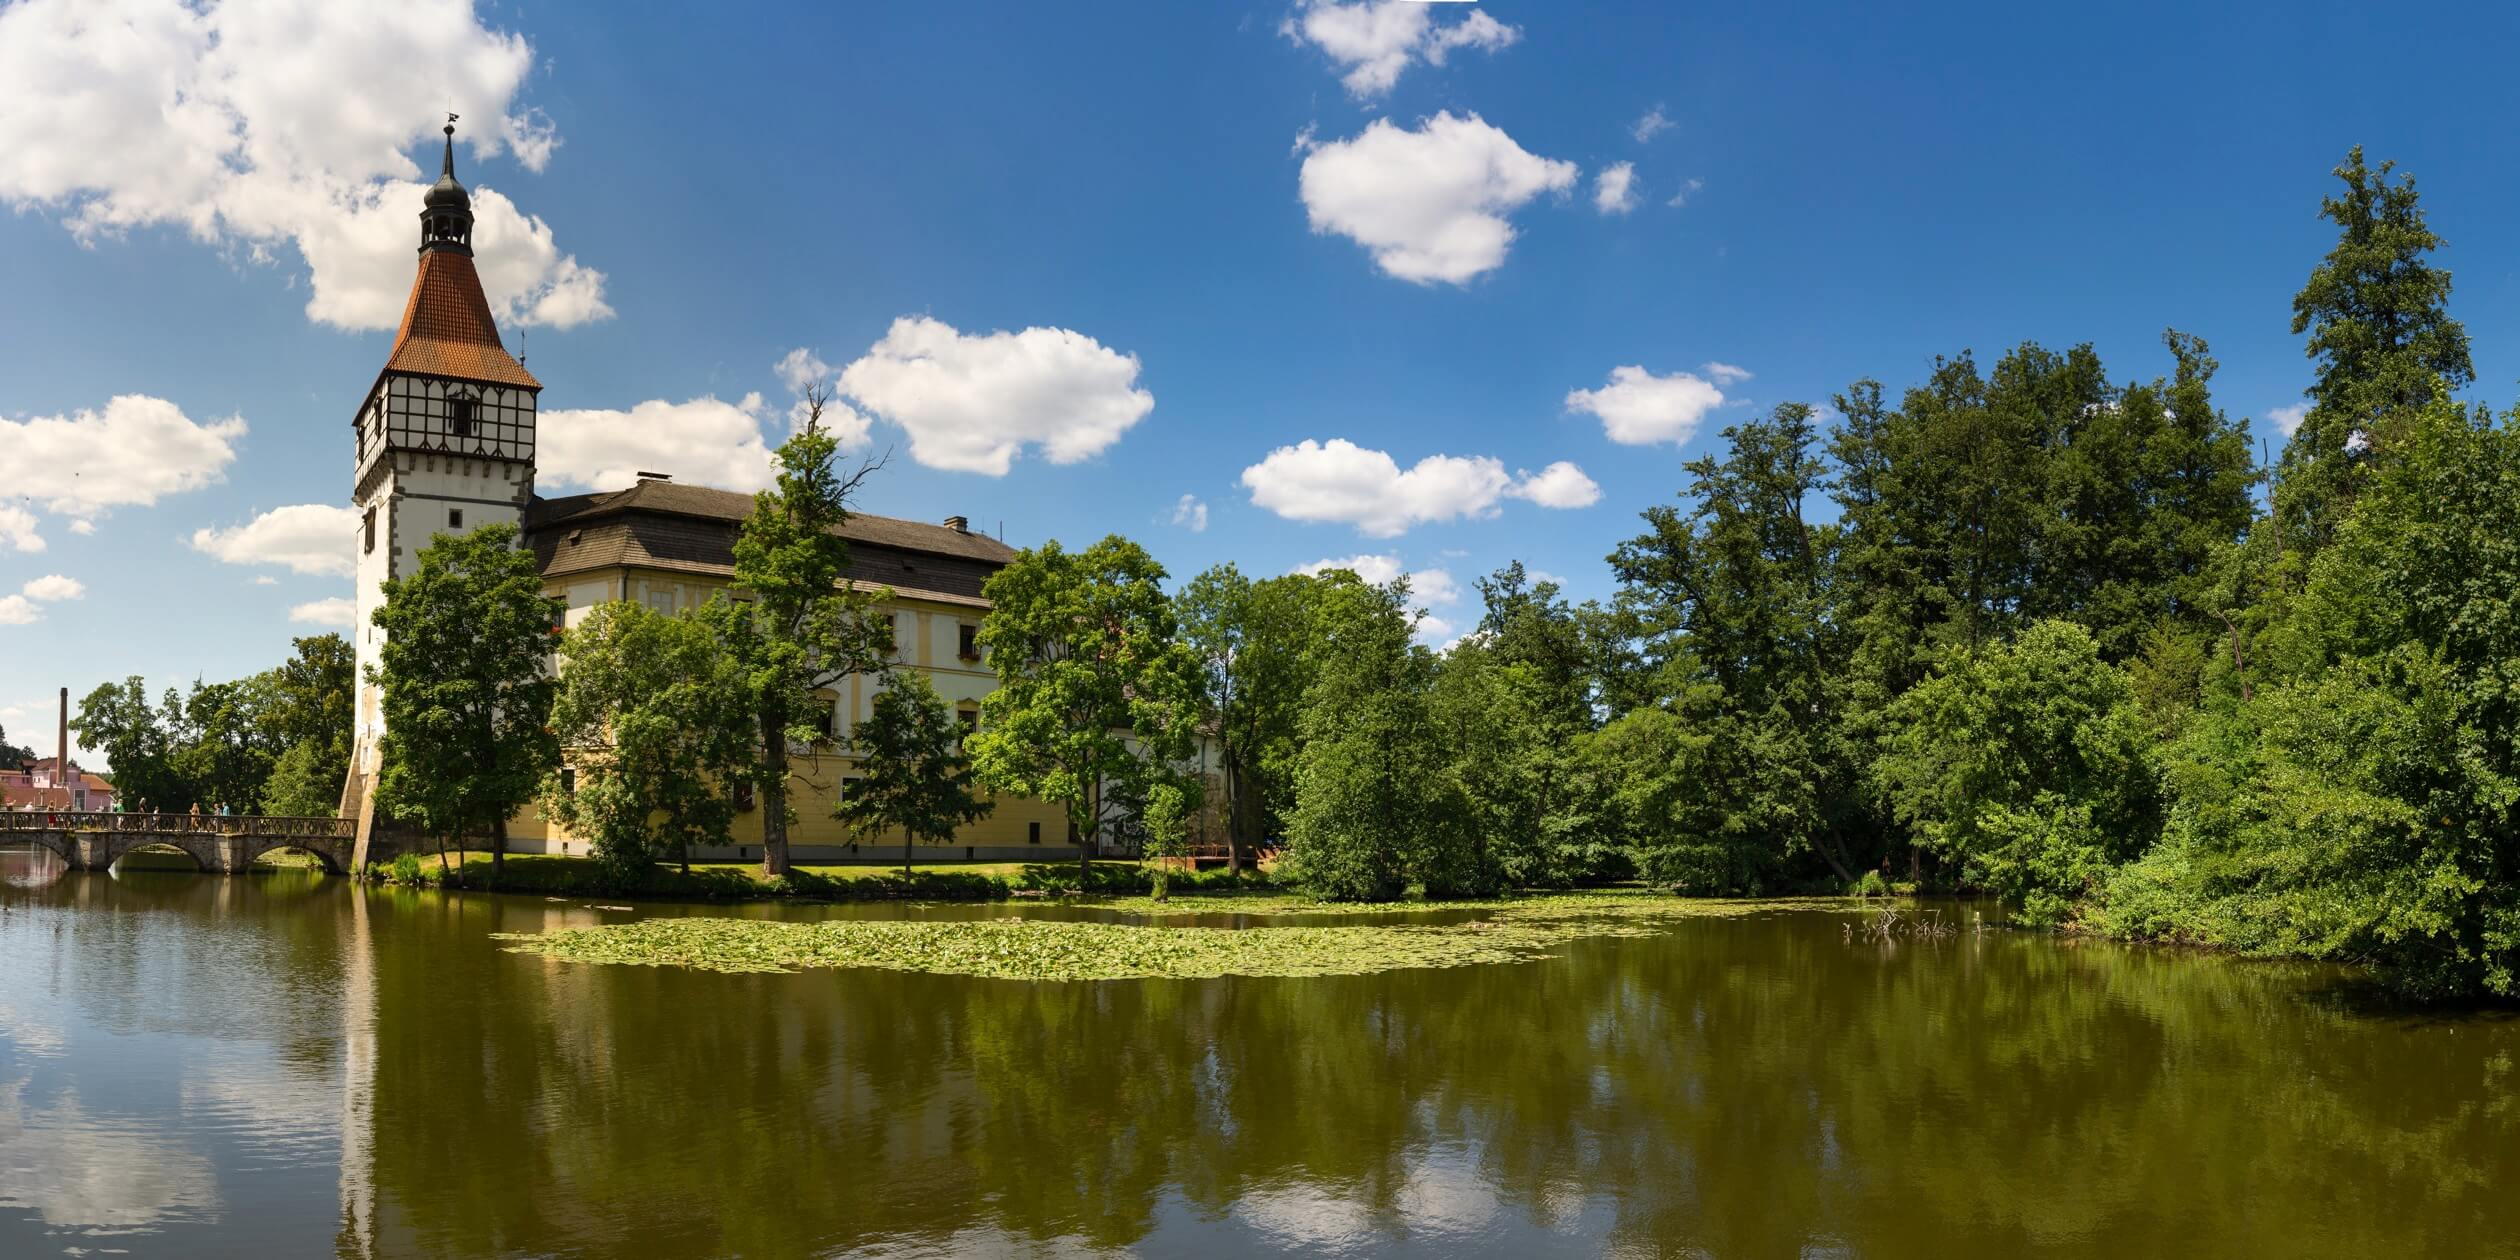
[454, 518]
[459, 416]
[370, 529]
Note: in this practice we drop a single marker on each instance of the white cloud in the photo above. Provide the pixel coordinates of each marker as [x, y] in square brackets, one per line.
[1687, 190]
[266, 580]
[801, 369]
[18, 610]
[229, 121]
[336, 611]
[1560, 485]
[1191, 512]
[1340, 481]
[1614, 188]
[305, 538]
[134, 452]
[2288, 419]
[1638, 408]
[1724, 373]
[1375, 40]
[53, 587]
[1430, 203]
[971, 403]
[82, 527]
[705, 441]
[1653, 124]
[18, 529]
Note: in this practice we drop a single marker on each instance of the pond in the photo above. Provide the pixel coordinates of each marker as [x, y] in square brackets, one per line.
[286, 1065]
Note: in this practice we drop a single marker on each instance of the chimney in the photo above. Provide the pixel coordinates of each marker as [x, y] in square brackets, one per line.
[61, 768]
[958, 524]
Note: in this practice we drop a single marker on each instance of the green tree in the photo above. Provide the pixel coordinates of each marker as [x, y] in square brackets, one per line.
[13, 754]
[1372, 810]
[1737, 595]
[2377, 314]
[2366, 804]
[1097, 695]
[467, 692]
[1251, 639]
[912, 775]
[652, 714]
[1171, 802]
[2028, 765]
[793, 621]
[308, 701]
[117, 720]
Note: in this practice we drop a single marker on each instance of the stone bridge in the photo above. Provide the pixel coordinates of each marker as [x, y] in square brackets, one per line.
[94, 842]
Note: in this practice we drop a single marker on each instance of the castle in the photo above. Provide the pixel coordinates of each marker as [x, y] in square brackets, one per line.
[444, 443]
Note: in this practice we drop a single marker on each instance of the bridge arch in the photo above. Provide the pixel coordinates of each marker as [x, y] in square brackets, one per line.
[190, 846]
[327, 853]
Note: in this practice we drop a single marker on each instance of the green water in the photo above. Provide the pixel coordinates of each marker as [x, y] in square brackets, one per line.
[283, 1065]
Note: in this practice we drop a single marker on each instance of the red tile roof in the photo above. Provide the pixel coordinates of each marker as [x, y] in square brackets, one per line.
[447, 329]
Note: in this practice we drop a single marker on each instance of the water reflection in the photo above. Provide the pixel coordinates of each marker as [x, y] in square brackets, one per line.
[307, 1067]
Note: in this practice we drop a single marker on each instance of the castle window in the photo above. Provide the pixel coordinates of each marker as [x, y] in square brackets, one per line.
[459, 416]
[568, 780]
[969, 643]
[454, 518]
[370, 528]
[1035, 838]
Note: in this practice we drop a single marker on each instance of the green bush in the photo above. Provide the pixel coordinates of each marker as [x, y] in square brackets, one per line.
[1871, 885]
[406, 869]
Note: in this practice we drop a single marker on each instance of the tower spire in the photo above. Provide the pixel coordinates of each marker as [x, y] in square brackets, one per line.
[446, 218]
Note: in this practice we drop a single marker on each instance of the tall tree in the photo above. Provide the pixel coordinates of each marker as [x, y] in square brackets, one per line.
[225, 743]
[793, 620]
[467, 689]
[2377, 314]
[1097, 695]
[913, 777]
[117, 720]
[1250, 639]
[1372, 810]
[310, 698]
[652, 714]
[1736, 594]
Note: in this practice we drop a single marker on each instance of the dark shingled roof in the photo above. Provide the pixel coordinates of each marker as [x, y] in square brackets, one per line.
[447, 329]
[691, 529]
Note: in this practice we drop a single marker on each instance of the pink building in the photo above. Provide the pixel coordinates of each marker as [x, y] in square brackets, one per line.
[40, 784]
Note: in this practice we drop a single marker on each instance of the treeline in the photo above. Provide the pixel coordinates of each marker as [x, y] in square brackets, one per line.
[2060, 639]
[277, 742]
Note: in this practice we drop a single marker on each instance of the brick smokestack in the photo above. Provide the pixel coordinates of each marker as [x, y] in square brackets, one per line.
[61, 768]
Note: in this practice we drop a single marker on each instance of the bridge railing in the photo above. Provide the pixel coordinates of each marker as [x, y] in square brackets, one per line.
[265, 825]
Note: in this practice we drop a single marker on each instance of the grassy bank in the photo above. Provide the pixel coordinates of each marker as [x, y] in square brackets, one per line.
[1514, 930]
[553, 875]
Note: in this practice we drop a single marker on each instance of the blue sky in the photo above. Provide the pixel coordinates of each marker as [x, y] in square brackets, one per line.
[1210, 231]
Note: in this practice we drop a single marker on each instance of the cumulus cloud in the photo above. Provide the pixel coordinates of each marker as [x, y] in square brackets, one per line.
[705, 441]
[972, 402]
[801, 369]
[53, 587]
[1430, 203]
[2287, 420]
[131, 454]
[229, 122]
[18, 610]
[337, 611]
[1614, 188]
[1638, 408]
[311, 538]
[1653, 124]
[1340, 481]
[1560, 485]
[18, 529]
[1191, 514]
[1375, 40]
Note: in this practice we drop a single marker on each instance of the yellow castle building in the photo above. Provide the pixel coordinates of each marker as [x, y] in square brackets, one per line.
[445, 443]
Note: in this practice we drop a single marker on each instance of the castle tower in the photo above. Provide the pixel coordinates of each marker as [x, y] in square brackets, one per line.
[445, 442]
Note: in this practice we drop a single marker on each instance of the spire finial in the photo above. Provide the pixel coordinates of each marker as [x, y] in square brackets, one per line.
[446, 219]
[448, 170]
